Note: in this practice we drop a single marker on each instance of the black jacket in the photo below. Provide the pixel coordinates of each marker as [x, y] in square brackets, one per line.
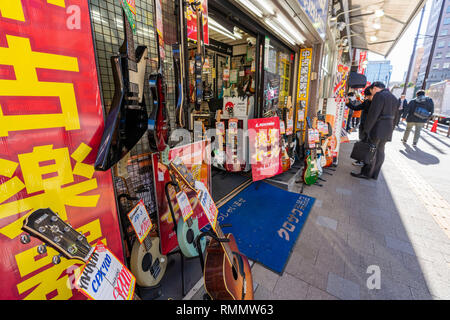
[405, 103]
[422, 101]
[380, 120]
[364, 106]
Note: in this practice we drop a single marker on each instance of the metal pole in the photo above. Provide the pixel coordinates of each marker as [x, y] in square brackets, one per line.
[405, 88]
[430, 58]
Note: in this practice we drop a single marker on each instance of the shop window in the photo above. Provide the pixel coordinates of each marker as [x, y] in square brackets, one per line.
[438, 55]
[441, 44]
[436, 66]
[446, 65]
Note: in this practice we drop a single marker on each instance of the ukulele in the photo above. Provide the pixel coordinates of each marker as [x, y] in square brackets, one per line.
[227, 274]
[127, 119]
[158, 122]
[187, 231]
[47, 226]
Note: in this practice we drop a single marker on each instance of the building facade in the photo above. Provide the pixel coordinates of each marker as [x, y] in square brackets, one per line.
[379, 71]
[440, 62]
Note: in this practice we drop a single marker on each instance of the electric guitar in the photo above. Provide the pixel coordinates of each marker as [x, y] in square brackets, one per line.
[199, 57]
[127, 119]
[310, 171]
[187, 231]
[158, 122]
[227, 274]
[47, 226]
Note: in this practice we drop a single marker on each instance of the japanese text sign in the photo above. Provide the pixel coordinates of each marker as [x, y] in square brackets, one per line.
[140, 221]
[51, 123]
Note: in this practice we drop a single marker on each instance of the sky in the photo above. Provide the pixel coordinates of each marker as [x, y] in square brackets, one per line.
[401, 53]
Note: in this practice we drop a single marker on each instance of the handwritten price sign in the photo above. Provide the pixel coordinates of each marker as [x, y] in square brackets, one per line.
[104, 277]
[207, 203]
[185, 205]
[140, 221]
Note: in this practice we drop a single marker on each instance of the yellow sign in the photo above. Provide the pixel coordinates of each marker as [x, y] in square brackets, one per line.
[304, 76]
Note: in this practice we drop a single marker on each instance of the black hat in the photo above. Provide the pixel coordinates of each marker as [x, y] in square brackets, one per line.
[420, 93]
[367, 91]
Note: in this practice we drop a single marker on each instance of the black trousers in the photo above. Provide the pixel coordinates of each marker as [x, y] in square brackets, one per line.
[373, 170]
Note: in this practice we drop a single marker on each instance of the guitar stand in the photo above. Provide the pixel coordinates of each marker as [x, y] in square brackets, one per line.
[322, 179]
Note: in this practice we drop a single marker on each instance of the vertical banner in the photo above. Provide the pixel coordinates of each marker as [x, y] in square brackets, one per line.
[160, 29]
[264, 139]
[304, 76]
[191, 18]
[51, 123]
[197, 158]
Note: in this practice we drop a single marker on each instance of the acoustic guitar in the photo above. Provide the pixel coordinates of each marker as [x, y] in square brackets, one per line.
[47, 226]
[227, 273]
[127, 119]
[158, 122]
[187, 231]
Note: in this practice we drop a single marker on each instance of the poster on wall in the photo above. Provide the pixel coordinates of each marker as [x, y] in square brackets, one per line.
[264, 140]
[197, 158]
[51, 123]
[191, 17]
[304, 77]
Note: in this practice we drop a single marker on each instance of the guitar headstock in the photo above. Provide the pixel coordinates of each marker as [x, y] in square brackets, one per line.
[183, 173]
[47, 226]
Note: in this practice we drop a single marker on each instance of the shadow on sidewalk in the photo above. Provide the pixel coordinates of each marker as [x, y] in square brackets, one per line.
[420, 156]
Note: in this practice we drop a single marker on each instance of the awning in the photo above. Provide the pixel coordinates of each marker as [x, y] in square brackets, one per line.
[377, 26]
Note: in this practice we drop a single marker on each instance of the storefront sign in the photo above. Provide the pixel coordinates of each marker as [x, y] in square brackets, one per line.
[197, 158]
[51, 123]
[140, 221]
[191, 17]
[304, 76]
[362, 65]
[264, 139]
[104, 277]
[317, 11]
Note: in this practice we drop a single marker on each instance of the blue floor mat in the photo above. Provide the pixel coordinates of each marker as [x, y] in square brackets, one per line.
[266, 222]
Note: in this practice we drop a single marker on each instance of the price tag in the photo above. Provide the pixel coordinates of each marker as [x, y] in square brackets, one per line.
[185, 205]
[207, 204]
[140, 221]
[104, 277]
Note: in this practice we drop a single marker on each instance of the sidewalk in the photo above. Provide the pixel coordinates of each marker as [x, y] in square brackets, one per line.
[396, 223]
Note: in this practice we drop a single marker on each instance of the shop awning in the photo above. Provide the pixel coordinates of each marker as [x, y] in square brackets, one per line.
[377, 26]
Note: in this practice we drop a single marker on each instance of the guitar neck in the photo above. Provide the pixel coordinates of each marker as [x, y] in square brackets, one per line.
[128, 45]
[226, 248]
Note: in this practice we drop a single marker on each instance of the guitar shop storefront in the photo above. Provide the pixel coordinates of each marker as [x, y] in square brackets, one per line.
[250, 73]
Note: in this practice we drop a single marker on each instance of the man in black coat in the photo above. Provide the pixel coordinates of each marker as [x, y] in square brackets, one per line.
[421, 101]
[378, 127]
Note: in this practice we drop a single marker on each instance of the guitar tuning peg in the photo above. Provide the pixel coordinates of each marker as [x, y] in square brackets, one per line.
[42, 249]
[25, 238]
[56, 259]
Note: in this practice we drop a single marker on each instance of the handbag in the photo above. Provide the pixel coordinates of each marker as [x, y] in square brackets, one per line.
[364, 151]
[422, 113]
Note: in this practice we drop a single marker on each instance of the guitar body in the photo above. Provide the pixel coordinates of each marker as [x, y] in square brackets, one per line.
[127, 120]
[310, 176]
[328, 155]
[186, 236]
[158, 122]
[147, 263]
[224, 281]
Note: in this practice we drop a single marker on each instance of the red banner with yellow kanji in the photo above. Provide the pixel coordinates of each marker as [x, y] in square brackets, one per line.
[51, 123]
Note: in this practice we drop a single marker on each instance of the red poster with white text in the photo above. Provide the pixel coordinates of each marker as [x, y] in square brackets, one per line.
[265, 155]
[51, 124]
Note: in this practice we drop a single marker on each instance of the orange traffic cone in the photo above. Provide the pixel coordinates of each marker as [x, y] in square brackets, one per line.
[434, 128]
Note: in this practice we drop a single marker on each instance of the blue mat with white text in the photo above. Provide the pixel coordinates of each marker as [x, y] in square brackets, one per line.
[266, 222]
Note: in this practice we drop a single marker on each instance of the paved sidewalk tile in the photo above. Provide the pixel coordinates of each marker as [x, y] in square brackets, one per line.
[326, 222]
[342, 288]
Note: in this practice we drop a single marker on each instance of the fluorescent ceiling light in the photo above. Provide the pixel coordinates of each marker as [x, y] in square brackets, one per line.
[227, 34]
[379, 13]
[251, 7]
[267, 6]
[288, 26]
[373, 38]
[279, 31]
[376, 26]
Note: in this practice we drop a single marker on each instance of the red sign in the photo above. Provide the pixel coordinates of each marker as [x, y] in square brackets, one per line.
[197, 158]
[51, 123]
[264, 137]
[191, 17]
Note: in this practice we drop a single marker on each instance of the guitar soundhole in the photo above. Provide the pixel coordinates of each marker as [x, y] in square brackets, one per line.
[190, 236]
[147, 262]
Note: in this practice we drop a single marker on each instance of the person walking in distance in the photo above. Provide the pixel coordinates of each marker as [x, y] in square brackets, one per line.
[378, 128]
[417, 113]
[402, 104]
